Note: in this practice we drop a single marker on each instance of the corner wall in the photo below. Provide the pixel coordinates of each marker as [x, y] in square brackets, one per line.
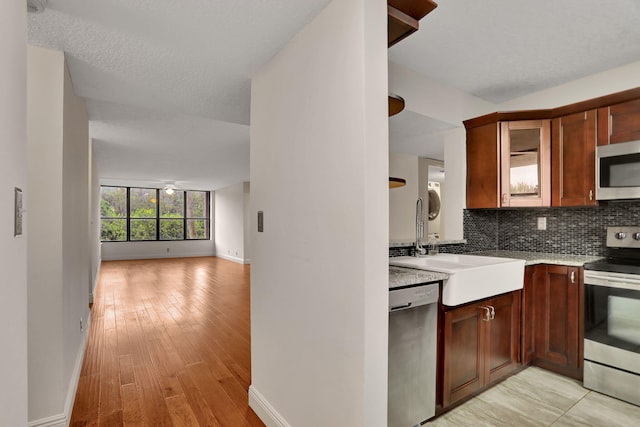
[319, 172]
[13, 250]
[58, 243]
[94, 222]
[231, 222]
[402, 200]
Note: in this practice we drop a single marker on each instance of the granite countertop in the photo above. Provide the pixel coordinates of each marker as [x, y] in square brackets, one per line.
[403, 243]
[400, 276]
[532, 258]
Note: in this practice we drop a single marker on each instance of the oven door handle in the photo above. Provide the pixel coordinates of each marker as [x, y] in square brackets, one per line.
[613, 282]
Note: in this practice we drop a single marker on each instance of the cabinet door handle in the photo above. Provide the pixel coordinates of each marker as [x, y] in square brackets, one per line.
[487, 313]
[590, 194]
[493, 312]
[573, 277]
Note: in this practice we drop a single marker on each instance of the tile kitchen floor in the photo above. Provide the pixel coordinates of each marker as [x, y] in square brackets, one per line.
[535, 397]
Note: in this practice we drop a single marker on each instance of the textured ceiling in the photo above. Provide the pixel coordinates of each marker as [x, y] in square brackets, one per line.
[502, 49]
[167, 82]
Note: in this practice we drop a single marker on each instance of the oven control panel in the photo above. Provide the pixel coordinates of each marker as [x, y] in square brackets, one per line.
[623, 237]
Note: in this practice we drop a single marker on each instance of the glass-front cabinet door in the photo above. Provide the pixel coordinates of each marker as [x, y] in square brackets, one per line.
[525, 174]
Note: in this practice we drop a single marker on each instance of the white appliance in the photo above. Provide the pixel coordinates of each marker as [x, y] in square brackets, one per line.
[434, 204]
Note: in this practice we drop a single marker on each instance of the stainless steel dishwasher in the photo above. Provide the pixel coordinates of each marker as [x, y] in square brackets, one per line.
[413, 320]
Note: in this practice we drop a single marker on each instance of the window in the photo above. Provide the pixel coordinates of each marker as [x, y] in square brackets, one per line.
[143, 211]
[172, 215]
[198, 215]
[113, 214]
[149, 214]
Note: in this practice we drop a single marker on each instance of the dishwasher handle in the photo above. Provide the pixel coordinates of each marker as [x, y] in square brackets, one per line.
[401, 307]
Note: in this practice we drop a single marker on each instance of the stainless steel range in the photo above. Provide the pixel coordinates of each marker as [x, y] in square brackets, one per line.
[612, 317]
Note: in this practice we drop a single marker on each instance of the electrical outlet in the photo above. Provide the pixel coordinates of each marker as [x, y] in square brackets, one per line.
[542, 223]
[167, 250]
[81, 325]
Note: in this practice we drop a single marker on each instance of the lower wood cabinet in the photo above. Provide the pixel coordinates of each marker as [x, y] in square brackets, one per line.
[552, 313]
[480, 345]
[557, 321]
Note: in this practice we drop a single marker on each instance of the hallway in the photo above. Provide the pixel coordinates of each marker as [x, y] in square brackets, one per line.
[169, 344]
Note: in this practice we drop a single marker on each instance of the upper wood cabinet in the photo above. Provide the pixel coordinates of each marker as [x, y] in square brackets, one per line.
[497, 156]
[525, 163]
[573, 165]
[619, 123]
[508, 164]
[483, 167]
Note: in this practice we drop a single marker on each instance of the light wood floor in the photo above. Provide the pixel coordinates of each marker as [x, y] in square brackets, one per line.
[169, 344]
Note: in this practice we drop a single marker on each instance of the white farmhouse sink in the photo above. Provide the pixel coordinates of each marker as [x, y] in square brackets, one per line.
[471, 277]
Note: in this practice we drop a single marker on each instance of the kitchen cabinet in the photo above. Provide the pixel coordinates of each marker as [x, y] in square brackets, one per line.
[509, 164]
[527, 339]
[483, 167]
[619, 123]
[557, 322]
[573, 160]
[480, 345]
[403, 18]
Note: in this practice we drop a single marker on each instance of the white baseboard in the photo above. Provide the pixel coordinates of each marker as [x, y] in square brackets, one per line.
[94, 284]
[59, 420]
[234, 259]
[62, 420]
[155, 256]
[264, 410]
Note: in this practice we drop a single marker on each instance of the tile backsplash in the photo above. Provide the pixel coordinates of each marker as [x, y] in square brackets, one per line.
[577, 231]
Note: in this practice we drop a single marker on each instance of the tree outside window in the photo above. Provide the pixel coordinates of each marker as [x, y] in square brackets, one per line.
[150, 214]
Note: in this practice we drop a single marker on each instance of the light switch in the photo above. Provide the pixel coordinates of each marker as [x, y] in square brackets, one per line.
[260, 222]
[542, 223]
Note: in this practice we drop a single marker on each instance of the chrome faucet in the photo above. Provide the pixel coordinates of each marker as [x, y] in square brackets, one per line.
[419, 227]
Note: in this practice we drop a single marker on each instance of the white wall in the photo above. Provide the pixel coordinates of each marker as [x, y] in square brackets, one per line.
[248, 222]
[434, 99]
[319, 171]
[454, 198]
[58, 243]
[76, 249]
[45, 97]
[148, 250]
[13, 250]
[230, 223]
[94, 221]
[402, 200]
[600, 84]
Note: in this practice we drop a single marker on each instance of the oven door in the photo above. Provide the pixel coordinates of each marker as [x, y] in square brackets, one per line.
[618, 171]
[612, 334]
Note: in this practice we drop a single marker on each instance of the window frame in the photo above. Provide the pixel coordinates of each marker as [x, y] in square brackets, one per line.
[185, 219]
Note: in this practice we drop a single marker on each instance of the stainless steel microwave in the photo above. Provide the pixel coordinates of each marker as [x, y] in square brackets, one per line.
[618, 171]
